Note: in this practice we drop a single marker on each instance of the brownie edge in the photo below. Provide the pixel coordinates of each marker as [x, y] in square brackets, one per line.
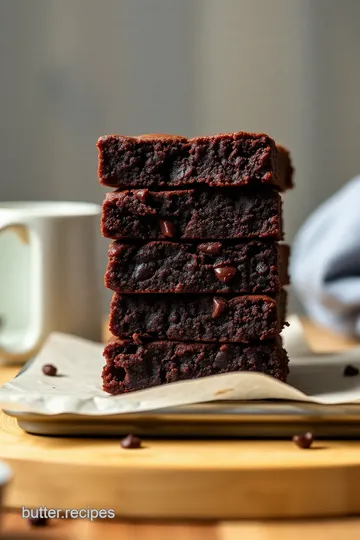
[201, 214]
[227, 159]
[168, 267]
[130, 367]
[243, 319]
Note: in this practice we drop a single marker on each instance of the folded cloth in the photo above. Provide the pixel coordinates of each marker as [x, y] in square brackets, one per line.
[325, 265]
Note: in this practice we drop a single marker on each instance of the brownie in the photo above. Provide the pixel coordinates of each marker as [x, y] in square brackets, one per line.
[131, 367]
[230, 159]
[213, 267]
[197, 317]
[203, 214]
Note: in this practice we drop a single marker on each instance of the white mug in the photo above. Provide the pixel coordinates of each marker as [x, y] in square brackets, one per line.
[50, 283]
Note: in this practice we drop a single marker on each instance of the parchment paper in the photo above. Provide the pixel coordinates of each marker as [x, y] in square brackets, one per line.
[316, 378]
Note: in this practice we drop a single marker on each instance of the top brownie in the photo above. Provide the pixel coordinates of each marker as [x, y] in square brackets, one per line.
[161, 161]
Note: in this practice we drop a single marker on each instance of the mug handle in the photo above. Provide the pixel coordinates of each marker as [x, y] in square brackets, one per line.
[33, 341]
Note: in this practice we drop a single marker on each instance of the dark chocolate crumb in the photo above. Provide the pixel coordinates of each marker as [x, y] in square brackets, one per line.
[303, 440]
[50, 370]
[350, 371]
[214, 248]
[225, 273]
[219, 306]
[131, 441]
[38, 521]
[167, 228]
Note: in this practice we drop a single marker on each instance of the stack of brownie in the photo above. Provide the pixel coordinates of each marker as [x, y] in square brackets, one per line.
[196, 265]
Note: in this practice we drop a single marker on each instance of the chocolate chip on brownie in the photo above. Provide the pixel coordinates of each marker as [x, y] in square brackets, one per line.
[225, 273]
[167, 228]
[213, 248]
[142, 195]
[219, 306]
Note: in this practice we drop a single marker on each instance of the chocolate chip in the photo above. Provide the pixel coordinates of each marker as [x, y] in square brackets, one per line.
[50, 370]
[219, 306]
[142, 195]
[38, 521]
[304, 440]
[221, 359]
[131, 441]
[214, 248]
[225, 273]
[167, 228]
[351, 371]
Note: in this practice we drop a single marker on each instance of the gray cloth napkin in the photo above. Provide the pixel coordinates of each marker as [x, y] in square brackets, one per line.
[325, 263]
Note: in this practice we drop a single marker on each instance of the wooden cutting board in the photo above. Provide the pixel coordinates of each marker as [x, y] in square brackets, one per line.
[182, 479]
[224, 479]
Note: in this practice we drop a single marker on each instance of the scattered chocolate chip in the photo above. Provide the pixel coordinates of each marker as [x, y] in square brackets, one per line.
[219, 306]
[304, 440]
[214, 248]
[50, 370]
[167, 228]
[351, 371]
[131, 441]
[225, 273]
[38, 521]
[142, 195]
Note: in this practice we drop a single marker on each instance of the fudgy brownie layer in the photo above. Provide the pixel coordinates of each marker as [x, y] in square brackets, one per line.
[241, 319]
[131, 367]
[215, 267]
[230, 159]
[203, 214]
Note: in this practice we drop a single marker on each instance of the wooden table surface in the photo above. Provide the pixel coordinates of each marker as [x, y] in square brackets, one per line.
[16, 528]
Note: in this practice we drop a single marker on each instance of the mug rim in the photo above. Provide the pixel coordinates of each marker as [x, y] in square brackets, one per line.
[50, 208]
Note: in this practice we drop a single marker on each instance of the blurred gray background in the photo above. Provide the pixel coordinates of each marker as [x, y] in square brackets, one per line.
[72, 70]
